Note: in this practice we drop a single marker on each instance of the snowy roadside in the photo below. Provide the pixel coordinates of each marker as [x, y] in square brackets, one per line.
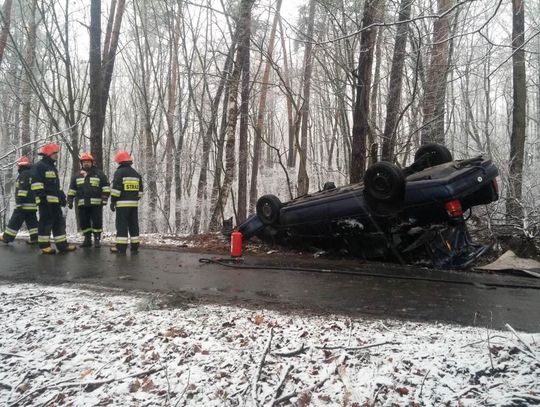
[74, 346]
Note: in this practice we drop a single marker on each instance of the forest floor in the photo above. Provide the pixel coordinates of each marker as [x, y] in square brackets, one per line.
[70, 345]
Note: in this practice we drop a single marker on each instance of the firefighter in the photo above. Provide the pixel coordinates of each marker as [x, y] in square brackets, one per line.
[90, 189]
[127, 188]
[25, 205]
[51, 199]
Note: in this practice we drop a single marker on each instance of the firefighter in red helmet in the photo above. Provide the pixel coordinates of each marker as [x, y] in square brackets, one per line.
[127, 188]
[25, 205]
[51, 199]
[90, 189]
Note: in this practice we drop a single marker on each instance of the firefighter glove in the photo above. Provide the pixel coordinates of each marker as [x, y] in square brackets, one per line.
[62, 198]
[70, 204]
[113, 206]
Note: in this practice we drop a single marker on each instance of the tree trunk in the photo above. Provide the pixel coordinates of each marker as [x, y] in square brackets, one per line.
[435, 90]
[244, 56]
[26, 91]
[6, 21]
[396, 82]
[232, 116]
[261, 112]
[96, 119]
[360, 128]
[210, 131]
[109, 50]
[303, 178]
[170, 145]
[291, 156]
[517, 139]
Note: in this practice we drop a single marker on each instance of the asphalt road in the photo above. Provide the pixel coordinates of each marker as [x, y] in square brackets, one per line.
[468, 303]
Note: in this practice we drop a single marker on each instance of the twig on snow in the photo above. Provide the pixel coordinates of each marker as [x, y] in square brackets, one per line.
[521, 340]
[70, 383]
[314, 387]
[181, 396]
[382, 386]
[467, 390]
[292, 353]
[257, 376]
[423, 381]
[11, 355]
[359, 347]
[281, 385]
[5, 386]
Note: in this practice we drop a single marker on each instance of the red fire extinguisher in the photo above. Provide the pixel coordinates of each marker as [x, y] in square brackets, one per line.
[236, 244]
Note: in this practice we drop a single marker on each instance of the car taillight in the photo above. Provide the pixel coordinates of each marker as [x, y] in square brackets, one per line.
[453, 209]
[495, 186]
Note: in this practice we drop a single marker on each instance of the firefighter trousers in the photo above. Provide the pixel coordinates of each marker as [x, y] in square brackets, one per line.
[91, 219]
[127, 228]
[51, 219]
[19, 217]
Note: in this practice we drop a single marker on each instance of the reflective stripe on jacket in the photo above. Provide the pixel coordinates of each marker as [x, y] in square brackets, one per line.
[89, 187]
[127, 186]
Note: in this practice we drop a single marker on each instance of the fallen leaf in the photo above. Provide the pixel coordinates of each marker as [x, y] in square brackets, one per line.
[174, 332]
[134, 386]
[85, 373]
[23, 387]
[147, 384]
[258, 319]
[403, 391]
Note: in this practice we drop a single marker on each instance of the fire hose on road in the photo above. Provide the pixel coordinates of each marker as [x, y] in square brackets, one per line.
[238, 263]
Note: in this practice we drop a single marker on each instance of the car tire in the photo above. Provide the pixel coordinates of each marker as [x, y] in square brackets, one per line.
[328, 185]
[439, 154]
[268, 207]
[384, 182]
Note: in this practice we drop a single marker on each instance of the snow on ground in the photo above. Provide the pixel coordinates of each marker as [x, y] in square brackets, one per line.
[76, 346]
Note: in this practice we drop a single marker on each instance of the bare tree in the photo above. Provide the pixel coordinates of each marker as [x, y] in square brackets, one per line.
[435, 90]
[396, 82]
[363, 82]
[6, 21]
[262, 111]
[303, 177]
[517, 138]
[244, 56]
[26, 88]
[96, 119]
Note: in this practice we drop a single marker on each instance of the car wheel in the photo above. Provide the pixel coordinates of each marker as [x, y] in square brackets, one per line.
[437, 154]
[384, 182]
[268, 207]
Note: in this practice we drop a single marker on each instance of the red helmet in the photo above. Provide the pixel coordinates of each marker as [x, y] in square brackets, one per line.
[86, 157]
[24, 161]
[122, 156]
[49, 149]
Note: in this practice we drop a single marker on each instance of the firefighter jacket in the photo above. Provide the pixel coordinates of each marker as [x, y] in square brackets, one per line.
[25, 198]
[46, 184]
[89, 188]
[127, 187]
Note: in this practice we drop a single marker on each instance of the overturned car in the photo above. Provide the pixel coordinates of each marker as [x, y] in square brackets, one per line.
[410, 215]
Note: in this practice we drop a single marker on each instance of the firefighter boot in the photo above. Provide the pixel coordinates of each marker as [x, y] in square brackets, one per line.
[87, 240]
[69, 248]
[48, 250]
[97, 240]
[4, 240]
[117, 250]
